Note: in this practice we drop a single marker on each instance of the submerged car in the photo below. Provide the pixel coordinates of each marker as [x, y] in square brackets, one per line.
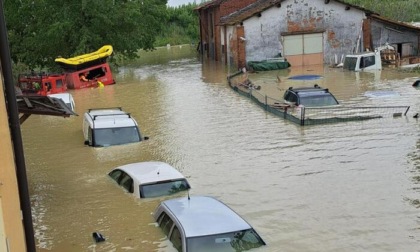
[202, 223]
[149, 179]
[67, 99]
[110, 126]
[309, 97]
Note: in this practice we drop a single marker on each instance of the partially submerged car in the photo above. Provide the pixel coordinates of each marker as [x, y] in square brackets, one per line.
[110, 126]
[202, 223]
[67, 98]
[309, 97]
[149, 179]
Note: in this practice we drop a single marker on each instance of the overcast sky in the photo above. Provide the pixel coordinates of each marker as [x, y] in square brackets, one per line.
[174, 3]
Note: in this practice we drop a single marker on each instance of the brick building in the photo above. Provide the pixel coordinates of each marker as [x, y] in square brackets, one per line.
[306, 32]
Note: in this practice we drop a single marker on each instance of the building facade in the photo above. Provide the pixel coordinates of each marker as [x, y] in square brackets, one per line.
[305, 32]
[12, 236]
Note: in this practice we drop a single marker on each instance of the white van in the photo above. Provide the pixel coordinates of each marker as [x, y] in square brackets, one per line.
[110, 126]
[67, 99]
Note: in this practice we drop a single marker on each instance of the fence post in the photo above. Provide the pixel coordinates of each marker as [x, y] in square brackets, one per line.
[266, 103]
[302, 116]
[406, 111]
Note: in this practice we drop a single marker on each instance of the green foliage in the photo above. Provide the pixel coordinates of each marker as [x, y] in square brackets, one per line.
[40, 31]
[400, 10]
[182, 27]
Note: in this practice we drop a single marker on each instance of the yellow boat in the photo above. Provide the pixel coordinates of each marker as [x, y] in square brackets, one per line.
[86, 60]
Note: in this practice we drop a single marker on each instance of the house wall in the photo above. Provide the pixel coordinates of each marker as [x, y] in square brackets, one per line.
[230, 33]
[212, 37]
[383, 33]
[12, 236]
[204, 31]
[341, 28]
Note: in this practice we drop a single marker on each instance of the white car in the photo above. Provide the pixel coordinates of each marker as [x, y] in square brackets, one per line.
[67, 99]
[149, 179]
[110, 126]
[202, 223]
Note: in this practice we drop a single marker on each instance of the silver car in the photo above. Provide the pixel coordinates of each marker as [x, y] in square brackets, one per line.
[204, 224]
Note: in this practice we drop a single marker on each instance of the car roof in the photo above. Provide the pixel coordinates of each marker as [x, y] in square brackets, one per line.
[66, 97]
[310, 91]
[204, 215]
[110, 118]
[150, 172]
[315, 88]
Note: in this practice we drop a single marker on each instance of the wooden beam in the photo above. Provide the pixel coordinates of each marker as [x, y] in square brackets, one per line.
[23, 118]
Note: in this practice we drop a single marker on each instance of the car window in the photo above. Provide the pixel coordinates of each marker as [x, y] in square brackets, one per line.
[165, 223]
[318, 101]
[127, 182]
[162, 188]
[367, 61]
[230, 242]
[176, 239]
[290, 97]
[115, 175]
[90, 135]
[116, 136]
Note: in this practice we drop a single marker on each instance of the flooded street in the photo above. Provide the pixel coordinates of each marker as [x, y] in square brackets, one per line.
[350, 186]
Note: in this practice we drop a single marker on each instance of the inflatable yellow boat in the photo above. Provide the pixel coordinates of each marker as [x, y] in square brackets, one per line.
[86, 60]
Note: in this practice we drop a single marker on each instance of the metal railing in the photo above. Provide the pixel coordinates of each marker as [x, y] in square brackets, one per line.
[312, 115]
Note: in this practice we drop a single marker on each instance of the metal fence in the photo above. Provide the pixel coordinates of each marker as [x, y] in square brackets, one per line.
[311, 115]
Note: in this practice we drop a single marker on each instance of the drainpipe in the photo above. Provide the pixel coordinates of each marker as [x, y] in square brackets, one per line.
[12, 112]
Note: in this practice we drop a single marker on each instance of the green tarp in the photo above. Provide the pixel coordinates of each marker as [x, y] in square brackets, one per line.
[267, 65]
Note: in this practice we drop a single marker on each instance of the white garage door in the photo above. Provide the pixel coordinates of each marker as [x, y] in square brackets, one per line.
[304, 49]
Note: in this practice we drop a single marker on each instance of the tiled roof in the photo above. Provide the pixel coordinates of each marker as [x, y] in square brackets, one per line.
[398, 23]
[208, 4]
[261, 5]
[248, 12]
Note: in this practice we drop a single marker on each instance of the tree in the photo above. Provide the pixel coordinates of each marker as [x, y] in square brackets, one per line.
[400, 10]
[42, 30]
[182, 28]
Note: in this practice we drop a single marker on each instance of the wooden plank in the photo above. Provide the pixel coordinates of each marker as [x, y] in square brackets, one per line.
[27, 102]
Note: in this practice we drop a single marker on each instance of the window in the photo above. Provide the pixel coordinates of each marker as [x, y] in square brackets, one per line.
[165, 223]
[59, 83]
[229, 242]
[163, 188]
[127, 183]
[116, 136]
[367, 61]
[115, 175]
[176, 239]
[90, 136]
[290, 97]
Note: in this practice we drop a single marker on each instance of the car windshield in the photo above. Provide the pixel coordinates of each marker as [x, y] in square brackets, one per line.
[115, 136]
[230, 242]
[318, 100]
[163, 188]
[350, 63]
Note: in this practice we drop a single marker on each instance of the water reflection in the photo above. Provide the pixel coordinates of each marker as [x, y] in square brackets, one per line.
[341, 187]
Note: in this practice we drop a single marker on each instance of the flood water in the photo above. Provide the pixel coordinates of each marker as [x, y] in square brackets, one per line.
[350, 186]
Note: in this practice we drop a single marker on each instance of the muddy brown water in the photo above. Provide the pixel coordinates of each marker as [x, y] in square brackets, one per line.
[341, 187]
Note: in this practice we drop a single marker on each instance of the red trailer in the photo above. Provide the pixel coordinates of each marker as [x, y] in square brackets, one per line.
[42, 84]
